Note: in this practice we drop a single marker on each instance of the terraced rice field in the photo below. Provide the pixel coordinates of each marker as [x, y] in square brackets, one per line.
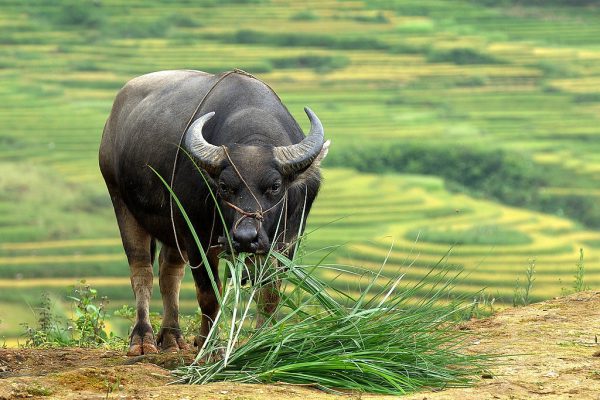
[452, 73]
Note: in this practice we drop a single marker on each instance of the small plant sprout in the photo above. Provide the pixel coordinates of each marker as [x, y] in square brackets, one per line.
[530, 275]
[579, 285]
[516, 300]
[521, 295]
[482, 306]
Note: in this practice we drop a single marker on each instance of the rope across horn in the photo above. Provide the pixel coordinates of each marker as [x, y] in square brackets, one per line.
[210, 157]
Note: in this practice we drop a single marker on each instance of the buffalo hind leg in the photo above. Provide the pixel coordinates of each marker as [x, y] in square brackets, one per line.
[207, 299]
[139, 250]
[170, 273]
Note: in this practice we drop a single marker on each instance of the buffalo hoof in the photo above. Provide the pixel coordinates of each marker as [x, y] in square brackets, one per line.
[171, 340]
[142, 342]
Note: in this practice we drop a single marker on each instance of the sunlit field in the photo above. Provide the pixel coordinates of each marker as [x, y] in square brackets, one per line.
[457, 79]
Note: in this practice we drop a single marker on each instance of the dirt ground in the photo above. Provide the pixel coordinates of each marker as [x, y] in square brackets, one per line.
[551, 349]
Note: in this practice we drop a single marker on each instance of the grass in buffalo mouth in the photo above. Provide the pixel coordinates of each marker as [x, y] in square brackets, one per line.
[391, 338]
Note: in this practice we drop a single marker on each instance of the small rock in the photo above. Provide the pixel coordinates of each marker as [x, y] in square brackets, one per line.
[551, 374]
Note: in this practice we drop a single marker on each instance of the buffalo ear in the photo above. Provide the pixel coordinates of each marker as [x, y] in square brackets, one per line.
[322, 153]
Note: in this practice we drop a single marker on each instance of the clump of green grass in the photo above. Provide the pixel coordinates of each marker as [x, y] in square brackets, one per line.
[377, 342]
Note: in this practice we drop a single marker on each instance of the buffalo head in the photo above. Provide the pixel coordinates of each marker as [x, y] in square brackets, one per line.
[252, 182]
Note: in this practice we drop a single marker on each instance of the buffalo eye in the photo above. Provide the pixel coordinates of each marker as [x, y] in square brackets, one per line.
[223, 188]
[275, 187]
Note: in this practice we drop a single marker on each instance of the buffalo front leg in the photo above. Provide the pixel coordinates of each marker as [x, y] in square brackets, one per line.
[170, 273]
[267, 301]
[139, 248]
[207, 298]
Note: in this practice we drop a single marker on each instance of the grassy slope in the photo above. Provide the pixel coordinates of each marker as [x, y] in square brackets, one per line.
[534, 93]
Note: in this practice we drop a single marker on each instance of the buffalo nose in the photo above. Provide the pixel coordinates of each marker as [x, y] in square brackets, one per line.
[245, 238]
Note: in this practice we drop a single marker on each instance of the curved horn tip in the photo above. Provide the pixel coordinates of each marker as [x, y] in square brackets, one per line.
[206, 116]
[201, 121]
[315, 122]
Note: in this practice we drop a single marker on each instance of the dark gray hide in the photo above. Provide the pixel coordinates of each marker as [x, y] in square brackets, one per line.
[263, 141]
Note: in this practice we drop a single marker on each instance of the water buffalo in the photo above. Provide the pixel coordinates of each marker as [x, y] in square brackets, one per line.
[263, 169]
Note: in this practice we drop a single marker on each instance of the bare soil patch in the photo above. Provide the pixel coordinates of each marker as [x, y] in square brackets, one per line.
[550, 351]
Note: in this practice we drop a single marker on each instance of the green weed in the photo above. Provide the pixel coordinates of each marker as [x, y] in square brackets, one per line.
[521, 295]
[89, 316]
[579, 285]
[86, 327]
[482, 306]
[50, 331]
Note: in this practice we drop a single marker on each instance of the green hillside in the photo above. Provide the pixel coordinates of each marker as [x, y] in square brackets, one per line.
[455, 125]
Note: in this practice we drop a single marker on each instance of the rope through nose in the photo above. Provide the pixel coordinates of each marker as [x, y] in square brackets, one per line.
[259, 215]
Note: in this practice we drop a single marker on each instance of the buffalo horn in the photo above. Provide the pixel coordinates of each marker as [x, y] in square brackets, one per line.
[210, 157]
[297, 157]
